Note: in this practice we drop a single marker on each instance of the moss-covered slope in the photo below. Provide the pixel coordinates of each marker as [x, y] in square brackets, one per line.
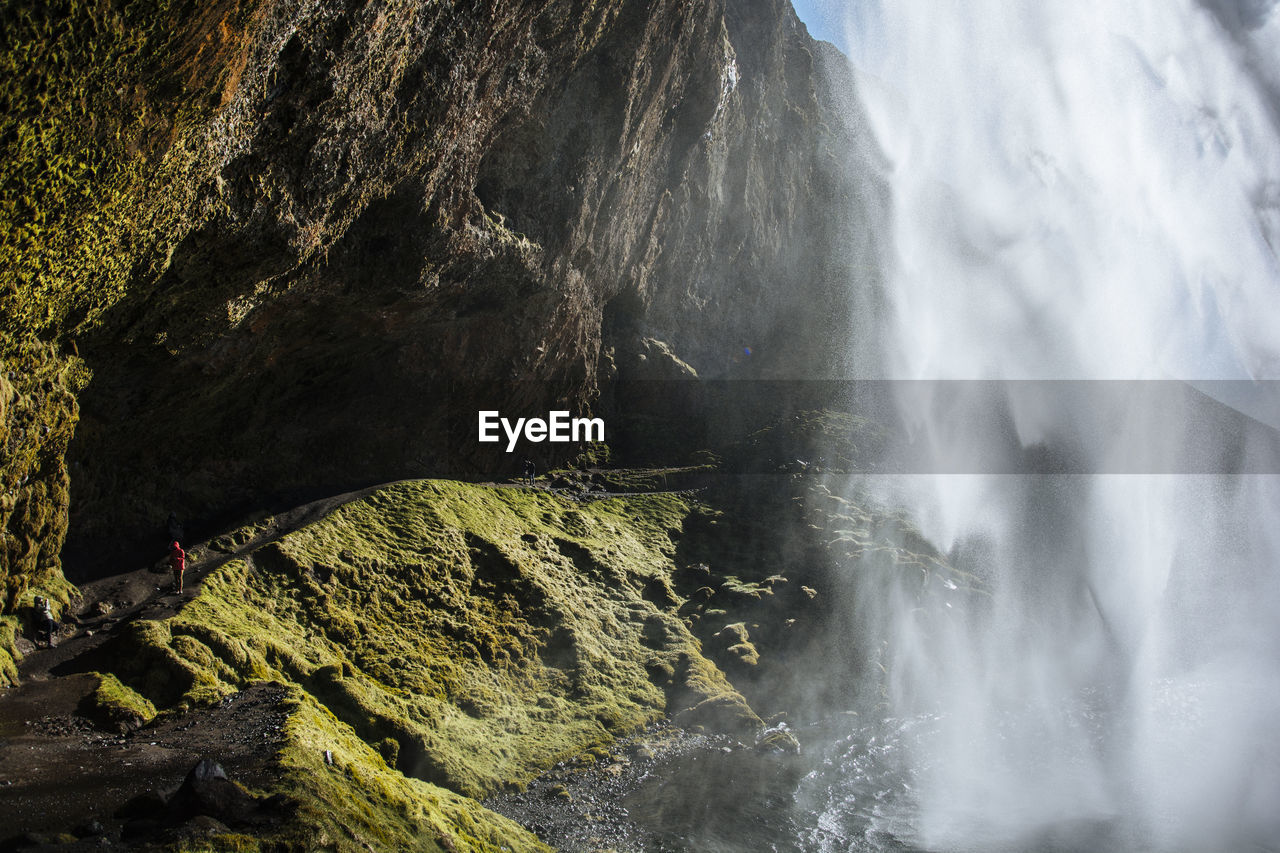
[472, 636]
[351, 799]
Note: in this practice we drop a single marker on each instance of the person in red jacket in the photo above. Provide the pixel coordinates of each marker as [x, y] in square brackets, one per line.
[177, 562]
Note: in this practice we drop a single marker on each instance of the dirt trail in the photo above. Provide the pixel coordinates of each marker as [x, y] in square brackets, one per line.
[147, 593]
[60, 773]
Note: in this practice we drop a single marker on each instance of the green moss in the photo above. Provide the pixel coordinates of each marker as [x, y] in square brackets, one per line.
[112, 703]
[650, 479]
[100, 107]
[358, 800]
[496, 227]
[474, 635]
[736, 587]
[38, 415]
[97, 101]
[227, 842]
[53, 587]
[594, 455]
[8, 651]
[95, 95]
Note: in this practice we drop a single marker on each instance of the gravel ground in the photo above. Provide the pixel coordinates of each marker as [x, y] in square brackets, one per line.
[58, 772]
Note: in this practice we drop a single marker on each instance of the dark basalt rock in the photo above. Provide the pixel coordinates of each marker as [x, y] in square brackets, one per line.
[208, 791]
[206, 802]
[393, 220]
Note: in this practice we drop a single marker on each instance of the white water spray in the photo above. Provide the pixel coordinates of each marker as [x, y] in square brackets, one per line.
[1086, 189]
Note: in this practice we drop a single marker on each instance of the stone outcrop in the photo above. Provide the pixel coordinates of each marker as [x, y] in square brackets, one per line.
[337, 229]
[38, 414]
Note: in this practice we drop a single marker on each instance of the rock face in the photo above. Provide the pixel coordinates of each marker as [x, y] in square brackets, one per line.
[361, 222]
[37, 419]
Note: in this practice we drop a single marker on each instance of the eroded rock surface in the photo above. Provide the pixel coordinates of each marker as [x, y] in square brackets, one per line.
[384, 216]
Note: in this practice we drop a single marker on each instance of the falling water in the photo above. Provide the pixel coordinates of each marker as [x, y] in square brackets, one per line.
[1085, 190]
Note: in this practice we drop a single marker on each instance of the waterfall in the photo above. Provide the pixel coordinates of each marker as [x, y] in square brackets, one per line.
[1084, 190]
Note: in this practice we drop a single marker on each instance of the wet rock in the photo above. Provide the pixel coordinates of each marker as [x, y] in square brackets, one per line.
[728, 713]
[734, 595]
[512, 203]
[697, 571]
[140, 829]
[778, 740]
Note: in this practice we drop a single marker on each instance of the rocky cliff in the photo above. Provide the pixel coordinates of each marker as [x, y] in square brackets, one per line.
[295, 244]
[255, 252]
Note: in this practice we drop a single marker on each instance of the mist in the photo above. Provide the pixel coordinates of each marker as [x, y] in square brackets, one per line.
[1081, 191]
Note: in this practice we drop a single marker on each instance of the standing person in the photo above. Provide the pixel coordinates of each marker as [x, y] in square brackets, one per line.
[529, 471]
[44, 622]
[177, 562]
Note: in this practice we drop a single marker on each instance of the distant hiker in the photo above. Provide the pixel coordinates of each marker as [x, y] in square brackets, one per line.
[44, 622]
[177, 562]
[174, 527]
[529, 471]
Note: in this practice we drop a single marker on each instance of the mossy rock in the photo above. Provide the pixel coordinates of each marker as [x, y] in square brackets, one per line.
[38, 415]
[723, 713]
[745, 654]
[358, 803]
[466, 637]
[778, 740]
[8, 651]
[115, 706]
[733, 634]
